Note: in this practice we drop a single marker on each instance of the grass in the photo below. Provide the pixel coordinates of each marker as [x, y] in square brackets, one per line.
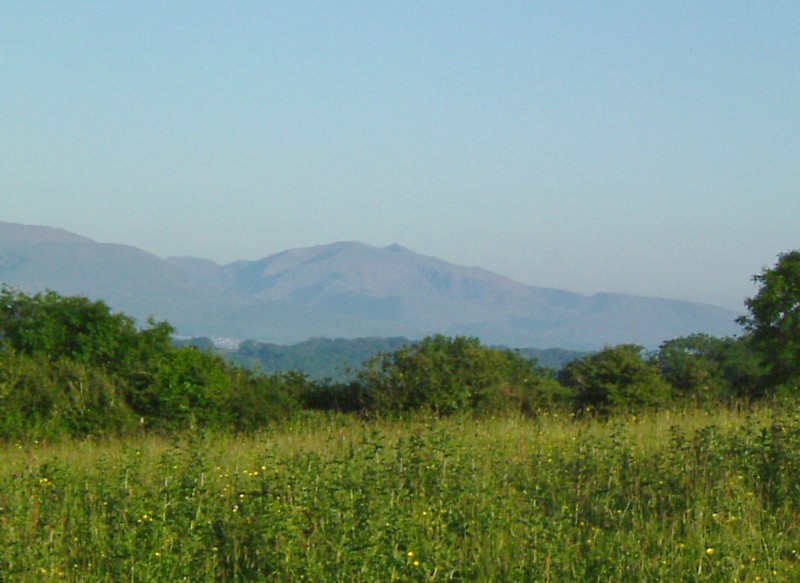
[675, 496]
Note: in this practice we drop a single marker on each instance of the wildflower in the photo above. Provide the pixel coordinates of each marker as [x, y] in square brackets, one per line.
[410, 554]
[416, 563]
[710, 551]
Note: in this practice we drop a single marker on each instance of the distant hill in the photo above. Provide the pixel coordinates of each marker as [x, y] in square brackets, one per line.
[342, 290]
[339, 359]
[320, 358]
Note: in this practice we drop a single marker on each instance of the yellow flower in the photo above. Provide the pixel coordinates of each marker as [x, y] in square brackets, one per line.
[710, 551]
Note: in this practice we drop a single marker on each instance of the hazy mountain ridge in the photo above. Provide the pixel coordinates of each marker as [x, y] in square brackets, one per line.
[345, 289]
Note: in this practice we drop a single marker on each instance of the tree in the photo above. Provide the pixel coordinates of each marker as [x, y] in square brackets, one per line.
[79, 329]
[616, 379]
[448, 375]
[688, 365]
[774, 320]
[706, 368]
[69, 365]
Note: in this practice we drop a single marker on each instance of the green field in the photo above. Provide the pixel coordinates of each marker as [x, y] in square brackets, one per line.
[693, 495]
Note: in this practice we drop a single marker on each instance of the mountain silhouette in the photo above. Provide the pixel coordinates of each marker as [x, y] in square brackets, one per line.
[344, 289]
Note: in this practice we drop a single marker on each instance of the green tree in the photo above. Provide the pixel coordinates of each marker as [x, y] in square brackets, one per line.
[447, 375]
[688, 365]
[69, 365]
[774, 320]
[79, 329]
[707, 368]
[42, 398]
[617, 378]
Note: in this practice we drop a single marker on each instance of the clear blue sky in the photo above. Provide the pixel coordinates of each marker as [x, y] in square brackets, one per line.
[642, 147]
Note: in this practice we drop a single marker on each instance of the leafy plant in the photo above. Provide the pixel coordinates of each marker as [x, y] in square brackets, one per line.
[616, 379]
[774, 320]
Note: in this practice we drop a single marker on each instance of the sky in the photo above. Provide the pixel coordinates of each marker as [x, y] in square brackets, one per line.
[650, 148]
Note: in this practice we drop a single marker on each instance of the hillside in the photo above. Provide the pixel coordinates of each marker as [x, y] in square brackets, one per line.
[340, 358]
[341, 290]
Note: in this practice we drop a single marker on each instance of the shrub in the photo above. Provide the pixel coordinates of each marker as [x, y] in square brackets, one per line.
[616, 379]
[447, 375]
[41, 398]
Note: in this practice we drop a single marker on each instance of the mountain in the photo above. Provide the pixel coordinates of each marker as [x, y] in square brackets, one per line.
[344, 289]
[144, 285]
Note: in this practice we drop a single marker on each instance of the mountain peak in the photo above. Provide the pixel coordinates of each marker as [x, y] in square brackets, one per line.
[345, 289]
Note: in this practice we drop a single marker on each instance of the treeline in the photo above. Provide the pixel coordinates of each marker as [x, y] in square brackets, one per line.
[71, 367]
[340, 359]
[319, 358]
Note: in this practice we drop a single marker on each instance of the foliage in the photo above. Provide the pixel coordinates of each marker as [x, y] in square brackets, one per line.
[774, 319]
[446, 375]
[686, 363]
[617, 378]
[69, 366]
[703, 368]
[78, 329]
[44, 399]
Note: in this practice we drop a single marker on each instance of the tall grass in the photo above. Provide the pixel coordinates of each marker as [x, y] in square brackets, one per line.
[676, 496]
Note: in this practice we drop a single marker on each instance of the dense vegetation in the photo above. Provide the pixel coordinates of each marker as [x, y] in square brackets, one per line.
[675, 496]
[71, 367]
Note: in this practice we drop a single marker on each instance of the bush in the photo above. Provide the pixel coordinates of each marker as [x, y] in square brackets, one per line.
[448, 375]
[703, 368]
[40, 398]
[69, 366]
[616, 379]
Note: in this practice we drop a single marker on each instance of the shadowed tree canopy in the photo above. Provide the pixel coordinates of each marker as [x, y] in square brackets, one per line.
[616, 378]
[774, 319]
[448, 375]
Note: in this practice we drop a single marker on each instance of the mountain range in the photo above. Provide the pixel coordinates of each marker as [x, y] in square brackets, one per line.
[345, 289]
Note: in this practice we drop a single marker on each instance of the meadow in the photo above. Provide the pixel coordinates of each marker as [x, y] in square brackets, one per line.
[677, 495]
